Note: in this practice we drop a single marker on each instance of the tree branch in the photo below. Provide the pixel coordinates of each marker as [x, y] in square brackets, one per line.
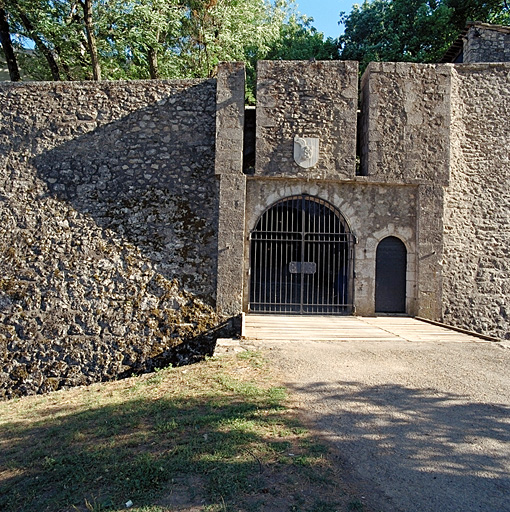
[86, 5]
[5, 39]
[48, 55]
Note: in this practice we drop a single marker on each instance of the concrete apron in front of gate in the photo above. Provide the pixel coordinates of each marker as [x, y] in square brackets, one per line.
[346, 328]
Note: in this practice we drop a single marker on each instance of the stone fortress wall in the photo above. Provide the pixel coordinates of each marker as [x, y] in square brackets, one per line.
[476, 259]
[126, 214]
[405, 137]
[433, 137]
[108, 233]
[320, 99]
[447, 133]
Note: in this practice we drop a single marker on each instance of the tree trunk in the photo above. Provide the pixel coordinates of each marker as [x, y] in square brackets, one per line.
[48, 55]
[5, 39]
[153, 63]
[91, 38]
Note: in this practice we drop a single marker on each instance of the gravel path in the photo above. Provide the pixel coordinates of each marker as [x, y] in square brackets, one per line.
[422, 426]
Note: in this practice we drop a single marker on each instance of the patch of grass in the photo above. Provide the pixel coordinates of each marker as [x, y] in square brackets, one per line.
[214, 436]
[355, 506]
[323, 506]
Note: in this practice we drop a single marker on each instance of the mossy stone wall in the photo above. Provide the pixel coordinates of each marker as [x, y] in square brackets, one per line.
[108, 238]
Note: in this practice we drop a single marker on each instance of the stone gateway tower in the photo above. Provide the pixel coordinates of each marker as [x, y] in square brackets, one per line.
[140, 219]
[401, 207]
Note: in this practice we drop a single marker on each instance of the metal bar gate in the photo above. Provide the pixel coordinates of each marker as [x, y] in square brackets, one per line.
[301, 259]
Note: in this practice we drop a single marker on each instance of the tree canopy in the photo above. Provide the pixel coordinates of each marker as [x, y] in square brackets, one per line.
[132, 39]
[127, 39]
[411, 30]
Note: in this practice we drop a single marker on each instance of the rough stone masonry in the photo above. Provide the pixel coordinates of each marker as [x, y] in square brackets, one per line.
[108, 236]
[126, 210]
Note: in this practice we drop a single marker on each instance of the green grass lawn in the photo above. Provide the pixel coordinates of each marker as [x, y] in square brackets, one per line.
[215, 436]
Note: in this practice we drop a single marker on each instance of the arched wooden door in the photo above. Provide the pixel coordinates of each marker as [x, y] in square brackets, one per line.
[301, 259]
[390, 276]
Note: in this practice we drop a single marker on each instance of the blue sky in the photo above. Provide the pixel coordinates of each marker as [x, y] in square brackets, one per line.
[325, 13]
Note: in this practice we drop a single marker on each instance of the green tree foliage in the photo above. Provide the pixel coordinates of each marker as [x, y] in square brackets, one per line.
[476, 10]
[127, 39]
[89, 39]
[57, 29]
[411, 30]
[227, 30]
[299, 40]
[500, 16]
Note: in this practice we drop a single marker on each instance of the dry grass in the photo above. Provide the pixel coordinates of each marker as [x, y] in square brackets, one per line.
[216, 436]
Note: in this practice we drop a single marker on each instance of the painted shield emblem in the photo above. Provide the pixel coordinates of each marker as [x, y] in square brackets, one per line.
[306, 151]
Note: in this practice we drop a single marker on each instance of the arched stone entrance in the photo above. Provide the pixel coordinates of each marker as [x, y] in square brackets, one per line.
[390, 276]
[301, 259]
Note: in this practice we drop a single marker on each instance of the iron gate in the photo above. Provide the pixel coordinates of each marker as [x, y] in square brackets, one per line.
[301, 259]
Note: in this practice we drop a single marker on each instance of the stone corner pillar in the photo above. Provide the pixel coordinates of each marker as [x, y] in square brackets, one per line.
[229, 169]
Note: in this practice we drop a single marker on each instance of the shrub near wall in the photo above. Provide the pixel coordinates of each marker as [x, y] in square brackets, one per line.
[108, 206]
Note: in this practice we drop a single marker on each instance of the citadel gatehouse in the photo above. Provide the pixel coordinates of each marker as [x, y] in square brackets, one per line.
[139, 219]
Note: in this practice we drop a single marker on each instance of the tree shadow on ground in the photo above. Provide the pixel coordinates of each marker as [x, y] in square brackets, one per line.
[164, 453]
[425, 449]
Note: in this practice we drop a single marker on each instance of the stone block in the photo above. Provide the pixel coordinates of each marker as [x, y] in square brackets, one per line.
[310, 99]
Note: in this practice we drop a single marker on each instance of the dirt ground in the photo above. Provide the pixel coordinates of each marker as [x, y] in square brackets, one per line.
[417, 426]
